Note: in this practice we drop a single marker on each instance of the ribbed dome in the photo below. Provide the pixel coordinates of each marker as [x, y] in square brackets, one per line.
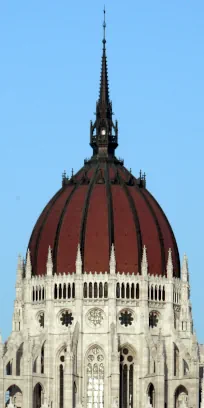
[103, 204]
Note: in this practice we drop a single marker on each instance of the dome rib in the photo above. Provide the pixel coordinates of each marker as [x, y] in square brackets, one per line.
[136, 223]
[110, 208]
[85, 212]
[160, 235]
[55, 249]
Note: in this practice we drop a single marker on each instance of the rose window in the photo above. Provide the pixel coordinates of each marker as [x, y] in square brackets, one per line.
[126, 318]
[66, 318]
[153, 319]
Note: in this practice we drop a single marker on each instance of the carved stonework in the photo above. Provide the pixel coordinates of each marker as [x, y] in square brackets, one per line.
[95, 317]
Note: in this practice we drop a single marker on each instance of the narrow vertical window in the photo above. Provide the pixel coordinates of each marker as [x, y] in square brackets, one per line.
[85, 290]
[105, 290]
[61, 386]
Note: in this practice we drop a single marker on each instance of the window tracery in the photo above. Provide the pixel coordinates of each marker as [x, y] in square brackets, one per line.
[126, 378]
[95, 317]
[95, 378]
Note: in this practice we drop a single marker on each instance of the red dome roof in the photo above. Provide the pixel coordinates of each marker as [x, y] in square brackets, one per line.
[103, 204]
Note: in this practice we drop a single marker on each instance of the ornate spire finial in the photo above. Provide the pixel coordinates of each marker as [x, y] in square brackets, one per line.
[49, 262]
[112, 263]
[28, 265]
[184, 270]
[78, 261]
[19, 269]
[169, 268]
[104, 133]
[144, 266]
[104, 27]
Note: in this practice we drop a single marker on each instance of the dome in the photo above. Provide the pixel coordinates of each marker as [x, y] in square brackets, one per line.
[100, 206]
[103, 204]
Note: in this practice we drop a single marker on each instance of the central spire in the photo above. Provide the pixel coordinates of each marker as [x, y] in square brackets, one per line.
[104, 133]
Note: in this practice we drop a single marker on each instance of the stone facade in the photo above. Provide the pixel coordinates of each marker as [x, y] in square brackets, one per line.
[78, 339]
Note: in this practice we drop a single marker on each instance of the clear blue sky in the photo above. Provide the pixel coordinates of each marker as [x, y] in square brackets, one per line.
[49, 80]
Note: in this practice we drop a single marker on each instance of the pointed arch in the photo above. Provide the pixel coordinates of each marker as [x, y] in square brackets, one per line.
[180, 395]
[94, 376]
[127, 360]
[151, 394]
[38, 395]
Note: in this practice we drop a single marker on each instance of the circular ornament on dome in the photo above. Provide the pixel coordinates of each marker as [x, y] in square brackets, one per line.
[95, 317]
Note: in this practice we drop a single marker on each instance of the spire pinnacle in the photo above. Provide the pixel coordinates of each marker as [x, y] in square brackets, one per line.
[103, 132]
[144, 266]
[28, 265]
[169, 268]
[49, 262]
[104, 27]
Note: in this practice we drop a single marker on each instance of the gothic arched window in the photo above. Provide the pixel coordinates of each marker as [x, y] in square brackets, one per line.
[151, 395]
[126, 378]
[95, 378]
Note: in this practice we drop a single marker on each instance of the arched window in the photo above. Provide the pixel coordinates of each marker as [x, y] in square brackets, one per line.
[42, 362]
[90, 290]
[60, 291]
[151, 395]
[95, 378]
[38, 396]
[159, 293]
[152, 293]
[36, 293]
[73, 290]
[69, 291]
[137, 291]
[15, 393]
[9, 368]
[122, 291]
[127, 291]
[64, 291]
[61, 386]
[105, 290]
[43, 294]
[155, 293]
[19, 356]
[118, 291]
[100, 290]
[176, 360]
[95, 290]
[163, 294]
[33, 295]
[126, 378]
[181, 397]
[132, 291]
[55, 291]
[85, 290]
[39, 293]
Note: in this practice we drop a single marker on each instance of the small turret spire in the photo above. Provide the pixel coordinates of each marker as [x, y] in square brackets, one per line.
[104, 133]
[144, 266]
[169, 268]
[49, 262]
[184, 270]
[28, 265]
